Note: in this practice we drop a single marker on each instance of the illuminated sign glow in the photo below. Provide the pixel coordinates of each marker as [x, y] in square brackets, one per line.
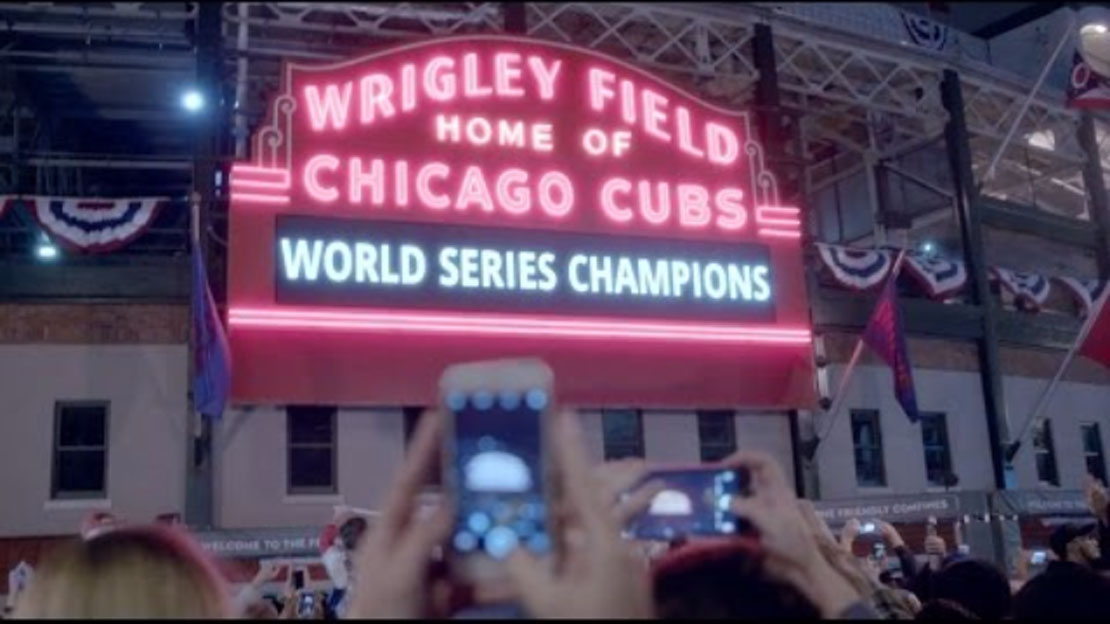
[502, 189]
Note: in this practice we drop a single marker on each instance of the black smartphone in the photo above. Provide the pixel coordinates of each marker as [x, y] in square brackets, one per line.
[693, 502]
[494, 462]
[306, 605]
[298, 579]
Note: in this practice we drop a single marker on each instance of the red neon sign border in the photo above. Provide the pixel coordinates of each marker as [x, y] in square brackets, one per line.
[496, 324]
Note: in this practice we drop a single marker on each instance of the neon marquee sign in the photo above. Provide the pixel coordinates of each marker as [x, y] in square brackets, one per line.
[500, 188]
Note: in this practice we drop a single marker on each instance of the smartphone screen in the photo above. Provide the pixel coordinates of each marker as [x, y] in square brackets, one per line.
[298, 579]
[306, 605]
[1038, 557]
[693, 502]
[498, 472]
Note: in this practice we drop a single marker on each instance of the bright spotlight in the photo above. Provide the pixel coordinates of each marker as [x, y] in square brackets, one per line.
[1094, 38]
[192, 101]
[46, 251]
[928, 247]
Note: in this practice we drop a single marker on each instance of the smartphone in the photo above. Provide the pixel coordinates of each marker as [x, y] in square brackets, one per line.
[495, 463]
[298, 579]
[878, 551]
[693, 502]
[931, 526]
[1038, 557]
[306, 605]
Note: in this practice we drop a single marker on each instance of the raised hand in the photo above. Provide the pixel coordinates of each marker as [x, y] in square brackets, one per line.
[393, 559]
[598, 576]
[790, 547]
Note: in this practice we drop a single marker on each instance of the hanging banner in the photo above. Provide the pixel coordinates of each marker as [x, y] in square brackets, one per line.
[490, 196]
[1087, 89]
[1083, 291]
[92, 225]
[855, 269]
[1030, 290]
[938, 277]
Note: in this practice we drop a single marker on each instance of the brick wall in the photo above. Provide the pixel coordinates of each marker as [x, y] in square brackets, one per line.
[93, 323]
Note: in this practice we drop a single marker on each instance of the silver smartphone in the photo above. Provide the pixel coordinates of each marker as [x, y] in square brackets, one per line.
[495, 463]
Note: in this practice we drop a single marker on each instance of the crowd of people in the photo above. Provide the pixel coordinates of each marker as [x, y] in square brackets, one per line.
[792, 565]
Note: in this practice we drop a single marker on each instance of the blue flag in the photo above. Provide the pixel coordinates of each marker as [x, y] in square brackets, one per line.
[211, 354]
[884, 335]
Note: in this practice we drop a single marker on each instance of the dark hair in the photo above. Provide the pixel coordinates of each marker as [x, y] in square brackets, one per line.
[977, 585]
[351, 531]
[1064, 591]
[723, 581]
[944, 611]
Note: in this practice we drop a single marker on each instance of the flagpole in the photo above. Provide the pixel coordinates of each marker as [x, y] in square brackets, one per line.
[1046, 394]
[838, 398]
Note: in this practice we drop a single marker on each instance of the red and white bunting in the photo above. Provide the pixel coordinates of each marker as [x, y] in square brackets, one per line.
[92, 225]
[855, 269]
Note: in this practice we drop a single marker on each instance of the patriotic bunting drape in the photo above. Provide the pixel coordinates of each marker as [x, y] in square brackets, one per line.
[1083, 291]
[1087, 89]
[856, 269]
[92, 225]
[940, 278]
[1028, 289]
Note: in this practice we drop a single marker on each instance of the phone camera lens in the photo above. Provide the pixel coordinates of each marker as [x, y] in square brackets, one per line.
[536, 399]
[482, 400]
[455, 401]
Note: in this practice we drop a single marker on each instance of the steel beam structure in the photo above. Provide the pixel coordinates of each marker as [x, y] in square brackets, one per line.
[1098, 204]
[970, 218]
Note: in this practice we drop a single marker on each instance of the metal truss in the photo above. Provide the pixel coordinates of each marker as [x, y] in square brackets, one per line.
[854, 93]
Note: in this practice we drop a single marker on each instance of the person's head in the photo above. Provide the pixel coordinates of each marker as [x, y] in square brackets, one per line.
[351, 531]
[1069, 593]
[261, 609]
[944, 611]
[134, 572]
[977, 585]
[1075, 543]
[723, 581]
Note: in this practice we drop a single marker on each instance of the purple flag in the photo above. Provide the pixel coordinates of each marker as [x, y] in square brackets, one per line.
[211, 354]
[884, 335]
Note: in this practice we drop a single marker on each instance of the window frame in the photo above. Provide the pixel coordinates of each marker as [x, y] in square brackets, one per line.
[875, 416]
[1088, 455]
[605, 442]
[714, 446]
[946, 447]
[56, 449]
[332, 445]
[410, 420]
[1049, 450]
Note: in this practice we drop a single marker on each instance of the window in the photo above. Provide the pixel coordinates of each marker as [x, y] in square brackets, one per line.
[716, 434]
[1092, 451]
[311, 449]
[412, 415]
[867, 440]
[1045, 453]
[934, 439]
[622, 433]
[80, 450]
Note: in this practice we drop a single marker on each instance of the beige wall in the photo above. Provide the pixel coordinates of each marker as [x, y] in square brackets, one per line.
[146, 388]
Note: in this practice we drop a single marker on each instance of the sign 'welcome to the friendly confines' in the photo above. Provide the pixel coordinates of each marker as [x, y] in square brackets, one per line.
[490, 196]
